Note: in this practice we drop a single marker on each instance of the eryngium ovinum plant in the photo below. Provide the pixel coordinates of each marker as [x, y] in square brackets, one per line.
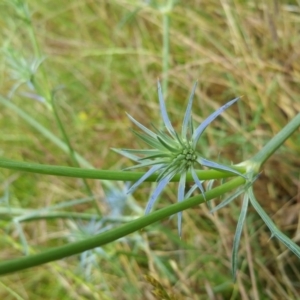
[173, 153]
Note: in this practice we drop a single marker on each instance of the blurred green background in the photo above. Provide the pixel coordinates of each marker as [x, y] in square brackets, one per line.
[102, 59]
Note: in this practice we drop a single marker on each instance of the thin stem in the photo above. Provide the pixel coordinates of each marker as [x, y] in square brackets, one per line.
[44, 131]
[261, 157]
[49, 135]
[38, 53]
[15, 214]
[103, 174]
[71, 150]
[114, 234]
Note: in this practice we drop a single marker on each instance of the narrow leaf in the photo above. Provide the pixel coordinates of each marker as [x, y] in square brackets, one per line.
[163, 111]
[208, 120]
[208, 188]
[227, 200]
[141, 126]
[214, 165]
[237, 235]
[149, 140]
[234, 195]
[187, 116]
[181, 189]
[143, 178]
[198, 182]
[166, 145]
[290, 244]
[161, 185]
[125, 153]
[190, 191]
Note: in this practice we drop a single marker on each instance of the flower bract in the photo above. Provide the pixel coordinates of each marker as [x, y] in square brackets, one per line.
[172, 153]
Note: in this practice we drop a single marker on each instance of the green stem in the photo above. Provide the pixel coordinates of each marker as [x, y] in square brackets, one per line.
[37, 53]
[71, 150]
[261, 157]
[103, 174]
[44, 131]
[114, 234]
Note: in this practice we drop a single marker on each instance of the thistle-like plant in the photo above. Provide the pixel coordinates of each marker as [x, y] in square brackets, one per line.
[173, 153]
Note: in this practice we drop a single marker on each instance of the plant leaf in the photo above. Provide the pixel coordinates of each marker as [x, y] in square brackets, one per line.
[199, 130]
[163, 111]
[198, 182]
[273, 228]
[141, 126]
[143, 178]
[214, 165]
[161, 185]
[237, 235]
[187, 116]
[181, 189]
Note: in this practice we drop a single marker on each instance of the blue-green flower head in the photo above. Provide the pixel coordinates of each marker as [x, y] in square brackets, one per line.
[171, 153]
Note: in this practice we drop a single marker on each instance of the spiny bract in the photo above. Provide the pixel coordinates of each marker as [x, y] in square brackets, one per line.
[172, 153]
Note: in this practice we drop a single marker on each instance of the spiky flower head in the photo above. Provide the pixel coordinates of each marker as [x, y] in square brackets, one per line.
[172, 153]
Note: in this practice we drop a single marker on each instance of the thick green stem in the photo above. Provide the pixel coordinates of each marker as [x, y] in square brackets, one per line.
[114, 234]
[261, 157]
[103, 174]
